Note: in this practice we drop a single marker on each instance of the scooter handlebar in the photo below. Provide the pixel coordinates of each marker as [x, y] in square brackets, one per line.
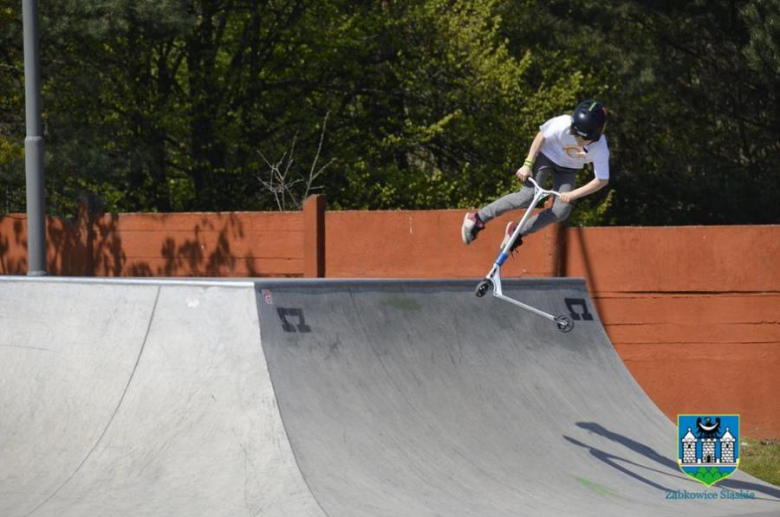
[544, 191]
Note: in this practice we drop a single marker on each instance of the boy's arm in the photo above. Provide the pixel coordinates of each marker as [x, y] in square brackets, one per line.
[524, 172]
[589, 188]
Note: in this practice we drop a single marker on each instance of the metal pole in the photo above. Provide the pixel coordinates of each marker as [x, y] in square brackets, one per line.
[33, 144]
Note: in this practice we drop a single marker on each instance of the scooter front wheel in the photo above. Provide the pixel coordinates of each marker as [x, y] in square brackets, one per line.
[483, 287]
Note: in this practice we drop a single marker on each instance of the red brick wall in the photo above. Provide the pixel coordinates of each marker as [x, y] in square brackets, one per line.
[199, 244]
[694, 312]
[183, 245]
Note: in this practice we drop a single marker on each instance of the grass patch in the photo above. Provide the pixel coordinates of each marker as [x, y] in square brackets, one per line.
[761, 459]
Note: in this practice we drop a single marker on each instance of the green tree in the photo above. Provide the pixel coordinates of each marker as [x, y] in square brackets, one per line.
[190, 104]
[694, 132]
[11, 111]
[172, 105]
[440, 112]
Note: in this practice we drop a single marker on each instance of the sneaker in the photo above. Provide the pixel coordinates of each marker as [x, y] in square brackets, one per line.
[510, 229]
[472, 225]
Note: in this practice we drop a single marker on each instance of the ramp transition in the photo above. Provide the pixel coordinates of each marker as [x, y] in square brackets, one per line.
[328, 398]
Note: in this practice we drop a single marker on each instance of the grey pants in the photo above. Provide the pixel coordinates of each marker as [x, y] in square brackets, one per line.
[563, 181]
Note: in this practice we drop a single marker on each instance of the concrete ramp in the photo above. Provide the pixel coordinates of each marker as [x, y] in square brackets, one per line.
[124, 399]
[328, 398]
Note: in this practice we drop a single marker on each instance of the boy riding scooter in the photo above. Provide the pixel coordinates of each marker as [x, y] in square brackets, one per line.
[563, 145]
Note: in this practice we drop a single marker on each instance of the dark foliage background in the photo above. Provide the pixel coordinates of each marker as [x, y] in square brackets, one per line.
[181, 105]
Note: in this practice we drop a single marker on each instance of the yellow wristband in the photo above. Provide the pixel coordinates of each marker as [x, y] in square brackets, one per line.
[528, 163]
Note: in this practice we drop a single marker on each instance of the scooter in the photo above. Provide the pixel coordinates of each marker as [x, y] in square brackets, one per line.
[493, 278]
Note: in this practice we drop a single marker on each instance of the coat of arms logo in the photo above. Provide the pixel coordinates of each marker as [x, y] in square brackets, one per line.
[708, 446]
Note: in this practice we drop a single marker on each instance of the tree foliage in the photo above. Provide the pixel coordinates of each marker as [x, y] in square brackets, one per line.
[190, 104]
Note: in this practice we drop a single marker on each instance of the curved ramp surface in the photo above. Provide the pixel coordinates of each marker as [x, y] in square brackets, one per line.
[328, 398]
[120, 399]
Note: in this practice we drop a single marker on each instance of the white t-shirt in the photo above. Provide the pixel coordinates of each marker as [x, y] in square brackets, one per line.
[561, 147]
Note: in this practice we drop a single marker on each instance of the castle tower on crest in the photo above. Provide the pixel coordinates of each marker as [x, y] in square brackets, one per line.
[708, 450]
[689, 447]
[727, 447]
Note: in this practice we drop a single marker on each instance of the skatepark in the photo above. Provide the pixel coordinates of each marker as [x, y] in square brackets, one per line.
[185, 331]
[329, 397]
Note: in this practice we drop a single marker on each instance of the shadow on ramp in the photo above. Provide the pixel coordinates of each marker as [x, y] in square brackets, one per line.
[671, 465]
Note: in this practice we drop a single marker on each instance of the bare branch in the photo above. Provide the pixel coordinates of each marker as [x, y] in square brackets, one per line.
[283, 180]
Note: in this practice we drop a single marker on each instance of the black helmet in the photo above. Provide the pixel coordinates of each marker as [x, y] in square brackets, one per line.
[589, 120]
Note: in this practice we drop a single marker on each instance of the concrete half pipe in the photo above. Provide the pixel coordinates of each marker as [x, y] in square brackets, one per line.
[329, 398]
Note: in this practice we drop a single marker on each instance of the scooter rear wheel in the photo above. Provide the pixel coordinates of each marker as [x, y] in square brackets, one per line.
[483, 287]
[564, 323]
